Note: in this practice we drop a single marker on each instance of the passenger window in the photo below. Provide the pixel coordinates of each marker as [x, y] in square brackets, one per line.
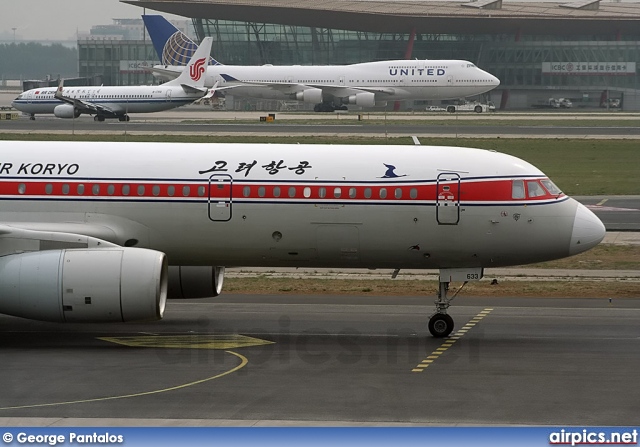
[337, 192]
[535, 190]
[156, 190]
[307, 192]
[186, 191]
[201, 191]
[246, 191]
[140, 190]
[292, 191]
[171, 190]
[367, 193]
[352, 193]
[322, 193]
[111, 189]
[276, 191]
[95, 189]
[398, 193]
[65, 189]
[383, 193]
[48, 189]
[80, 189]
[413, 193]
[517, 189]
[126, 190]
[261, 191]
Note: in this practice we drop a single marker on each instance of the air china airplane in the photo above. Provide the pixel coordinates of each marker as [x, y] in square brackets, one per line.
[118, 102]
[330, 87]
[85, 237]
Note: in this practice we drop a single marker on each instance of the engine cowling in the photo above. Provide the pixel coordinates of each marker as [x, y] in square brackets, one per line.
[85, 285]
[195, 281]
[313, 95]
[364, 99]
[66, 111]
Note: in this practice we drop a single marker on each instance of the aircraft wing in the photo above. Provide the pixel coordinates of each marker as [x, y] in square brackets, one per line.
[19, 237]
[85, 106]
[338, 91]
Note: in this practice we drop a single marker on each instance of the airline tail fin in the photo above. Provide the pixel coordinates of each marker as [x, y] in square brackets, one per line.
[194, 74]
[172, 45]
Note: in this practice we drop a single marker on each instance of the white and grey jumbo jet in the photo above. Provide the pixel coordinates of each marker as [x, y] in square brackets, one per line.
[118, 102]
[329, 87]
[88, 229]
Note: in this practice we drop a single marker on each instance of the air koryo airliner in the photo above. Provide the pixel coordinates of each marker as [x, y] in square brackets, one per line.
[329, 87]
[118, 102]
[88, 229]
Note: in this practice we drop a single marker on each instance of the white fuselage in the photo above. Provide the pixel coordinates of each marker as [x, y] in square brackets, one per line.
[296, 205]
[124, 100]
[389, 80]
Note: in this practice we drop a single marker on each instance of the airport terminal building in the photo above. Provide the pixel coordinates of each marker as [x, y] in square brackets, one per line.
[585, 50]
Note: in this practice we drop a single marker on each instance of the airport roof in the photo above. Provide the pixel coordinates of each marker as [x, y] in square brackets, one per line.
[571, 17]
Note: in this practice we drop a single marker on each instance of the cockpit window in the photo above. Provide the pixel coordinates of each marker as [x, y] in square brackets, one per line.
[517, 189]
[551, 187]
[534, 189]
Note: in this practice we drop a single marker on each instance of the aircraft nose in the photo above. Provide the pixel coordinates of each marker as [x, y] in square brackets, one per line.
[495, 81]
[587, 231]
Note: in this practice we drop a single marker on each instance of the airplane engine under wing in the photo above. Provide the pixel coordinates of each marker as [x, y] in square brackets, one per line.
[364, 99]
[84, 285]
[195, 281]
[313, 95]
[66, 111]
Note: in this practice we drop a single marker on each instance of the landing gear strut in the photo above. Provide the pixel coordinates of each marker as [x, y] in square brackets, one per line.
[123, 118]
[32, 117]
[440, 323]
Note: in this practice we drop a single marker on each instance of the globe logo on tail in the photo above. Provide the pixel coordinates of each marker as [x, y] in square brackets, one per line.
[196, 70]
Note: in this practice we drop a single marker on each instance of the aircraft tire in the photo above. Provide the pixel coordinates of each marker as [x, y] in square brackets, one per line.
[440, 325]
[478, 109]
[451, 109]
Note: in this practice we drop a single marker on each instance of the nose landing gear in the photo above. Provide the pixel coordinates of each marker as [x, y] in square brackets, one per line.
[441, 323]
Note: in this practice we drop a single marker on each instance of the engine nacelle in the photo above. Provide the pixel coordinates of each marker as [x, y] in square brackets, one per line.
[66, 111]
[195, 281]
[85, 285]
[312, 95]
[364, 99]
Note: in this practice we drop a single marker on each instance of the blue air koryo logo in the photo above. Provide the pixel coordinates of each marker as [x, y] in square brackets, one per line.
[413, 71]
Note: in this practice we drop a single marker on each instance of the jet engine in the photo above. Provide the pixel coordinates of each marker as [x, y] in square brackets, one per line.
[195, 281]
[364, 99]
[66, 111]
[313, 95]
[85, 285]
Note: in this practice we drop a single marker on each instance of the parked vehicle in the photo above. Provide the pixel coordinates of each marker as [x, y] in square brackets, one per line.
[565, 103]
[472, 107]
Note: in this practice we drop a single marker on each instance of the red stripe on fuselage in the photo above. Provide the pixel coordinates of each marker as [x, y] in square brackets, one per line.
[468, 191]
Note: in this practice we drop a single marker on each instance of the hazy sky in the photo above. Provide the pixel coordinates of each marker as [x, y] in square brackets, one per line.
[59, 19]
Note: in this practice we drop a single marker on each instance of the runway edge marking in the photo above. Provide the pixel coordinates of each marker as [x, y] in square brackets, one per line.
[450, 341]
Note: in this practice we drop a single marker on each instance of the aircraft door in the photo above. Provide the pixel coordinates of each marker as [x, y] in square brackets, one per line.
[220, 198]
[448, 199]
[168, 97]
[341, 80]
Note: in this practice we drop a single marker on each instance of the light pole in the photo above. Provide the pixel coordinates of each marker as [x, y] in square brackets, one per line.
[14, 34]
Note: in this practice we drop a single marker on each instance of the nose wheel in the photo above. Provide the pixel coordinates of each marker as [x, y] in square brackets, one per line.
[440, 325]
